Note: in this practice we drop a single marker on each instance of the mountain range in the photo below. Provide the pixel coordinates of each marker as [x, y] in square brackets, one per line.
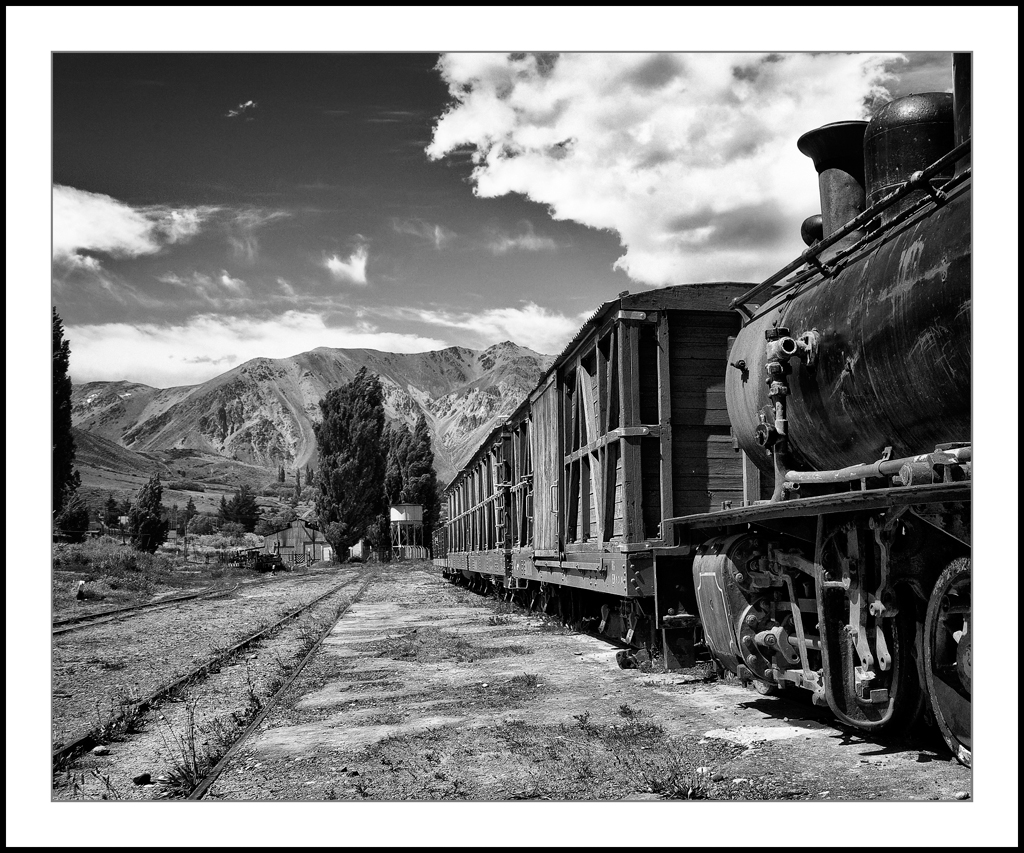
[261, 413]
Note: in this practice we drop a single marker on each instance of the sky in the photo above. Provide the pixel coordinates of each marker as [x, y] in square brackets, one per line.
[209, 208]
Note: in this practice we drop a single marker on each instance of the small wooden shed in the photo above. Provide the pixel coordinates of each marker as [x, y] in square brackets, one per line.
[300, 541]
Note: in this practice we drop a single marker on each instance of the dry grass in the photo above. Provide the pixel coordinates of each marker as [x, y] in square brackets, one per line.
[431, 645]
[581, 759]
[117, 575]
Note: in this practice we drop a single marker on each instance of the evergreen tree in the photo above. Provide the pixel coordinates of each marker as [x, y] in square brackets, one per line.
[280, 474]
[243, 509]
[146, 519]
[298, 486]
[190, 510]
[223, 511]
[65, 477]
[350, 478]
[398, 440]
[73, 520]
[110, 512]
[126, 506]
[309, 476]
[410, 476]
[202, 525]
[420, 480]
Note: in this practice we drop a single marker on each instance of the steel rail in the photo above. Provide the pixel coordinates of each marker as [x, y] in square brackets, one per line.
[85, 741]
[201, 789]
[62, 626]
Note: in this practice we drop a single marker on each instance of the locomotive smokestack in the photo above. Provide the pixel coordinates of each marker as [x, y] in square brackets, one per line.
[837, 151]
[962, 104]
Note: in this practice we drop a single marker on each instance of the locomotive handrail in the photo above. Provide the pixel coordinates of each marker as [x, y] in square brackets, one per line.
[810, 255]
[838, 262]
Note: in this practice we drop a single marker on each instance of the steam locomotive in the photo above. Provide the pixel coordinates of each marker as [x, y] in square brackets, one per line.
[775, 476]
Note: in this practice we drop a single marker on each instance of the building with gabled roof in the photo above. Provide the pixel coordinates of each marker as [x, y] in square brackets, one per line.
[300, 541]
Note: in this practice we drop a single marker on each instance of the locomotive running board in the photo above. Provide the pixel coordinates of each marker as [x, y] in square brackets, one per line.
[827, 504]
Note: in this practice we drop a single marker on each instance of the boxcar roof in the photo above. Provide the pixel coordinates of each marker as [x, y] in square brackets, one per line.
[706, 296]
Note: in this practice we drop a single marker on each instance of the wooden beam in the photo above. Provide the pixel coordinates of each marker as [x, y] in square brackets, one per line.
[592, 420]
[641, 430]
[665, 413]
[629, 447]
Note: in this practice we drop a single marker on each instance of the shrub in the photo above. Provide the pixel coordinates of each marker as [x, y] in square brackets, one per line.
[73, 520]
[186, 486]
[110, 569]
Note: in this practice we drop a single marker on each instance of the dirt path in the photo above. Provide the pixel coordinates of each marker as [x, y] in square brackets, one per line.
[427, 691]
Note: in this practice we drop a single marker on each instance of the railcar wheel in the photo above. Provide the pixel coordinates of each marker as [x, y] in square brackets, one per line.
[947, 656]
[764, 688]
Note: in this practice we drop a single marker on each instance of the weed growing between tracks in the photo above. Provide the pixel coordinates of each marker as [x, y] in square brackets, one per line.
[583, 759]
[118, 721]
[76, 781]
[200, 744]
[431, 645]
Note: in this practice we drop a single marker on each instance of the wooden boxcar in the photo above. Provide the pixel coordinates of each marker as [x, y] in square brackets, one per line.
[628, 427]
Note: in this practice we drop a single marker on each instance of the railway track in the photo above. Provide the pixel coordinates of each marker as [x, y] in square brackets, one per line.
[203, 787]
[63, 626]
[74, 623]
[82, 742]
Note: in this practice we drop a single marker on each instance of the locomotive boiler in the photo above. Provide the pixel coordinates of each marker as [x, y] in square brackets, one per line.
[775, 476]
[849, 389]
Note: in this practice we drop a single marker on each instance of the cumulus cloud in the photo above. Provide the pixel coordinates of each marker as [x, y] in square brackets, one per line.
[531, 325]
[673, 152]
[500, 243]
[86, 223]
[351, 269]
[241, 110]
[431, 232]
[207, 345]
[235, 285]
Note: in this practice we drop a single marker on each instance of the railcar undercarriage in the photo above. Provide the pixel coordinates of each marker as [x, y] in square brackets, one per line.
[871, 613]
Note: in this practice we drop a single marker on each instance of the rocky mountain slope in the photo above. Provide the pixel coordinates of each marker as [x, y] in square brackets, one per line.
[262, 412]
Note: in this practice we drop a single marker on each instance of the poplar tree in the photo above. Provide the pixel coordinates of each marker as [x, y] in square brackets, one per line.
[421, 480]
[398, 440]
[350, 477]
[65, 477]
[110, 512]
[146, 520]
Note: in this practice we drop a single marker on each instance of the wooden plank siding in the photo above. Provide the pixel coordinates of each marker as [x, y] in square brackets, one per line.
[630, 425]
[547, 468]
[596, 380]
[706, 469]
[521, 486]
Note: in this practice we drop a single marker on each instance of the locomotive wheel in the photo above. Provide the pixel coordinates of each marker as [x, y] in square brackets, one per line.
[947, 656]
[764, 688]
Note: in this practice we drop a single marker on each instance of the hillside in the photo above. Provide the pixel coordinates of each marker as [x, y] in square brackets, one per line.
[261, 413]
